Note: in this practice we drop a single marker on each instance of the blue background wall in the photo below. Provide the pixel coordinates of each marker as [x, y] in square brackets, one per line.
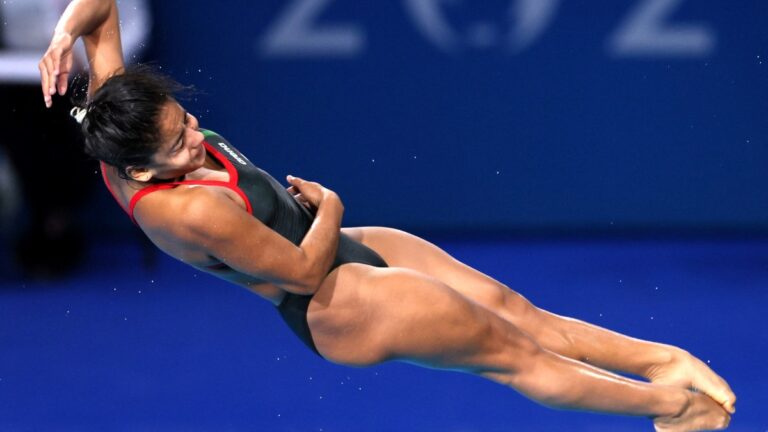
[504, 115]
[554, 119]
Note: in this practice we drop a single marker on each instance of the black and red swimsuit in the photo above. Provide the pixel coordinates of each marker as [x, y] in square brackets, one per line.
[268, 201]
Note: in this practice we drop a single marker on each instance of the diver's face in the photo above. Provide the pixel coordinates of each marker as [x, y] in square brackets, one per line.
[181, 150]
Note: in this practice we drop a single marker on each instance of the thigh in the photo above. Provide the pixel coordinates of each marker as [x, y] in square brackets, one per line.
[404, 250]
[363, 315]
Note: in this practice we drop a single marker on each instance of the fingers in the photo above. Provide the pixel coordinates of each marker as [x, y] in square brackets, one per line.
[62, 83]
[728, 399]
[50, 76]
[724, 395]
[44, 83]
[296, 181]
[719, 390]
[53, 72]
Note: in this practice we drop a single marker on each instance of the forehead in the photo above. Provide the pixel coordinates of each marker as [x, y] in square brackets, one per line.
[171, 118]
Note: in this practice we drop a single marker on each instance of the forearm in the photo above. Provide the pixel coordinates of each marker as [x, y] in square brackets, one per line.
[322, 240]
[83, 17]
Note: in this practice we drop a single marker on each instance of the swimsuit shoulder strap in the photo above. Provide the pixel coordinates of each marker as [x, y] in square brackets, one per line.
[231, 184]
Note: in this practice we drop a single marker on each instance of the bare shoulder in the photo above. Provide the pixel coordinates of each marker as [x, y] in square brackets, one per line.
[182, 220]
[202, 226]
[181, 211]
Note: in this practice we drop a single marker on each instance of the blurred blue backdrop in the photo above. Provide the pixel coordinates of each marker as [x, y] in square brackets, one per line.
[499, 115]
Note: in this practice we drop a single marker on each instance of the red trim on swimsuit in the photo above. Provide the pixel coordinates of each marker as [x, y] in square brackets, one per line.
[231, 184]
[103, 166]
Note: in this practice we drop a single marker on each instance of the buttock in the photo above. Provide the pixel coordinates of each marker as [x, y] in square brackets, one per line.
[294, 308]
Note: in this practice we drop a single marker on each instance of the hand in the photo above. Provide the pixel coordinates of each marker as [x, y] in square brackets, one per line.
[300, 199]
[55, 66]
[307, 193]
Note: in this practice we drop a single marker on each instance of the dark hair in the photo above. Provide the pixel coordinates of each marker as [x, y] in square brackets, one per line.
[121, 123]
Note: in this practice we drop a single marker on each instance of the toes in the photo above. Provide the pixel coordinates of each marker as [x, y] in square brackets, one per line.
[716, 388]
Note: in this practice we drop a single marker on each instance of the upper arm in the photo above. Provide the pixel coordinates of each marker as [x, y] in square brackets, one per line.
[104, 50]
[215, 224]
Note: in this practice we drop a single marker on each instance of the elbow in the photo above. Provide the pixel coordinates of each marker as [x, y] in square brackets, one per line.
[312, 278]
[311, 283]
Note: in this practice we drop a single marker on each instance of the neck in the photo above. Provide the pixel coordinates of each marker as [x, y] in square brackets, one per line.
[170, 180]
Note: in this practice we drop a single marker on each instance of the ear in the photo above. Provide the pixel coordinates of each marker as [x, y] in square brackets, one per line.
[140, 174]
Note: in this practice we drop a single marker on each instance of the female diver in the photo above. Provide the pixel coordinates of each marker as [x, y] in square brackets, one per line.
[356, 296]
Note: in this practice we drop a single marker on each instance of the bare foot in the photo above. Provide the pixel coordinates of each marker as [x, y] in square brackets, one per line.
[700, 414]
[686, 371]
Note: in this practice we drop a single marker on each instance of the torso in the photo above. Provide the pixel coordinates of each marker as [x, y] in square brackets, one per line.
[212, 170]
[228, 172]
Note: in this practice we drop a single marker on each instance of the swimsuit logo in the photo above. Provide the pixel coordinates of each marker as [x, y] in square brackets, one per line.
[232, 153]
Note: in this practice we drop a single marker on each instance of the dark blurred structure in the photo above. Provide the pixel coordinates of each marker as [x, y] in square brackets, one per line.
[45, 145]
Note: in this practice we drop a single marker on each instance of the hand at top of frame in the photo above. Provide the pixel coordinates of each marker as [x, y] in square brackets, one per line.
[310, 194]
[55, 66]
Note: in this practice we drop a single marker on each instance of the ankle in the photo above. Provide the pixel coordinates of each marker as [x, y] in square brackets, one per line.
[658, 357]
